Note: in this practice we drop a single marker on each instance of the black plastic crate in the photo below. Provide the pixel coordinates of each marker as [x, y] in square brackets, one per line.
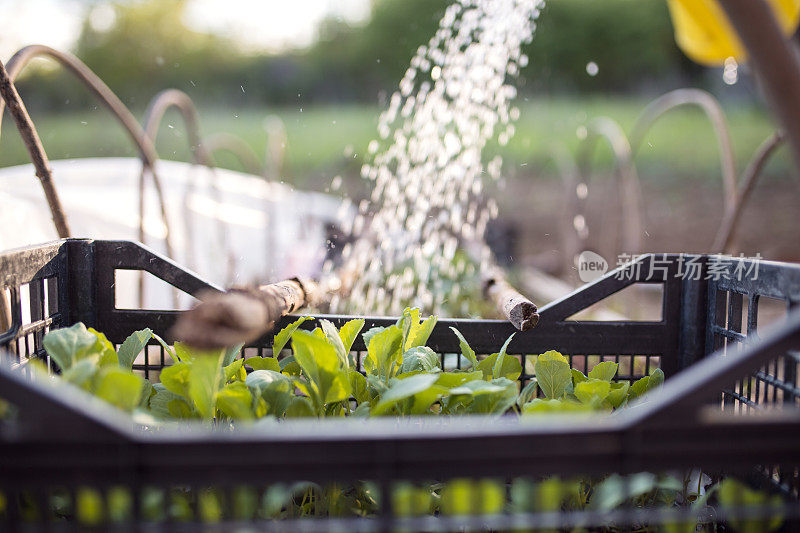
[733, 412]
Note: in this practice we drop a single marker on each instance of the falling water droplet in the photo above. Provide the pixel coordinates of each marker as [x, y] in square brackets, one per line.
[427, 174]
[730, 72]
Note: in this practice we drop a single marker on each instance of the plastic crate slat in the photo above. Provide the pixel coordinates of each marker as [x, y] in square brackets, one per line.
[614, 281]
[740, 398]
[691, 389]
[773, 280]
[37, 326]
[735, 335]
[780, 384]
[22, 265]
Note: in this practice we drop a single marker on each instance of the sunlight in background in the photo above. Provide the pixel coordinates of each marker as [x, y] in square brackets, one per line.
[271, 25]
[265, 25]
[56, 23]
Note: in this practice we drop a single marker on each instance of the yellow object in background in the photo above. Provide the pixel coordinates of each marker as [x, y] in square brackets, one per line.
[704, 34]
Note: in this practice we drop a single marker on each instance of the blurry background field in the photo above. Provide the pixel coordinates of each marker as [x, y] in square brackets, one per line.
[325, 139]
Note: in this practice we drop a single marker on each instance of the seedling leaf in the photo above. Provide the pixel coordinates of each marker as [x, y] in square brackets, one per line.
[175, 378]
[497, 369]
[235, 401]
[205, 376]
[553, 373]
[539, 405]
[66, 345]
[108, 355]
[335, 340]
[605, 371]
[285, 334]
[420, 359]
[383, 351]
[229, 354]
[132, 346]
[349, 331]
[263, 363]
[618, 394]
[528, 392]
[299, 408]
[466, 350]
[420, 333]
[656, 379]
[402, 389]
[119, 387]
[592, 391]
[638, 388]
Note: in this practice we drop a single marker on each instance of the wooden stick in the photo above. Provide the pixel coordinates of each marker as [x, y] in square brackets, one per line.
[517, 309]
[724, 240]
[774, 59]
[241, 314]
[34, 146]
[106, 96]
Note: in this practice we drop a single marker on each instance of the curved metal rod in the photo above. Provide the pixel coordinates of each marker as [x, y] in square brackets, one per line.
[727, 230]
[628, 179]
[275, 150]
[36, 152]
[178, 99]
[716, 116]
[101, 91]
[244, 154]
[568, 171]
[274, 160]
[156, 110]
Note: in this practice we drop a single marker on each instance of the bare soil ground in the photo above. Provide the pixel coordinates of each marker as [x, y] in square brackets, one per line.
[678, 217]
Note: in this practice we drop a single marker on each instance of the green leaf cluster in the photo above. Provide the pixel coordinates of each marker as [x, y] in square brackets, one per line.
[401, 377]
[570, 390]
[89, 361]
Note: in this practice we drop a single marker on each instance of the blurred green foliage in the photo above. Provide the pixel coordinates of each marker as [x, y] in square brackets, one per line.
[329, 139]
[362, 62]
[631, 41]
[149, 48]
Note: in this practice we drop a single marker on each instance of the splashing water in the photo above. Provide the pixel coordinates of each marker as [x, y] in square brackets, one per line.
[427, 204]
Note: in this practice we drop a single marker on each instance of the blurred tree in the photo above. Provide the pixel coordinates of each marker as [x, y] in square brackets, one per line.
[630, 41]
[366, 60]
[146, 47]
[141, 47]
